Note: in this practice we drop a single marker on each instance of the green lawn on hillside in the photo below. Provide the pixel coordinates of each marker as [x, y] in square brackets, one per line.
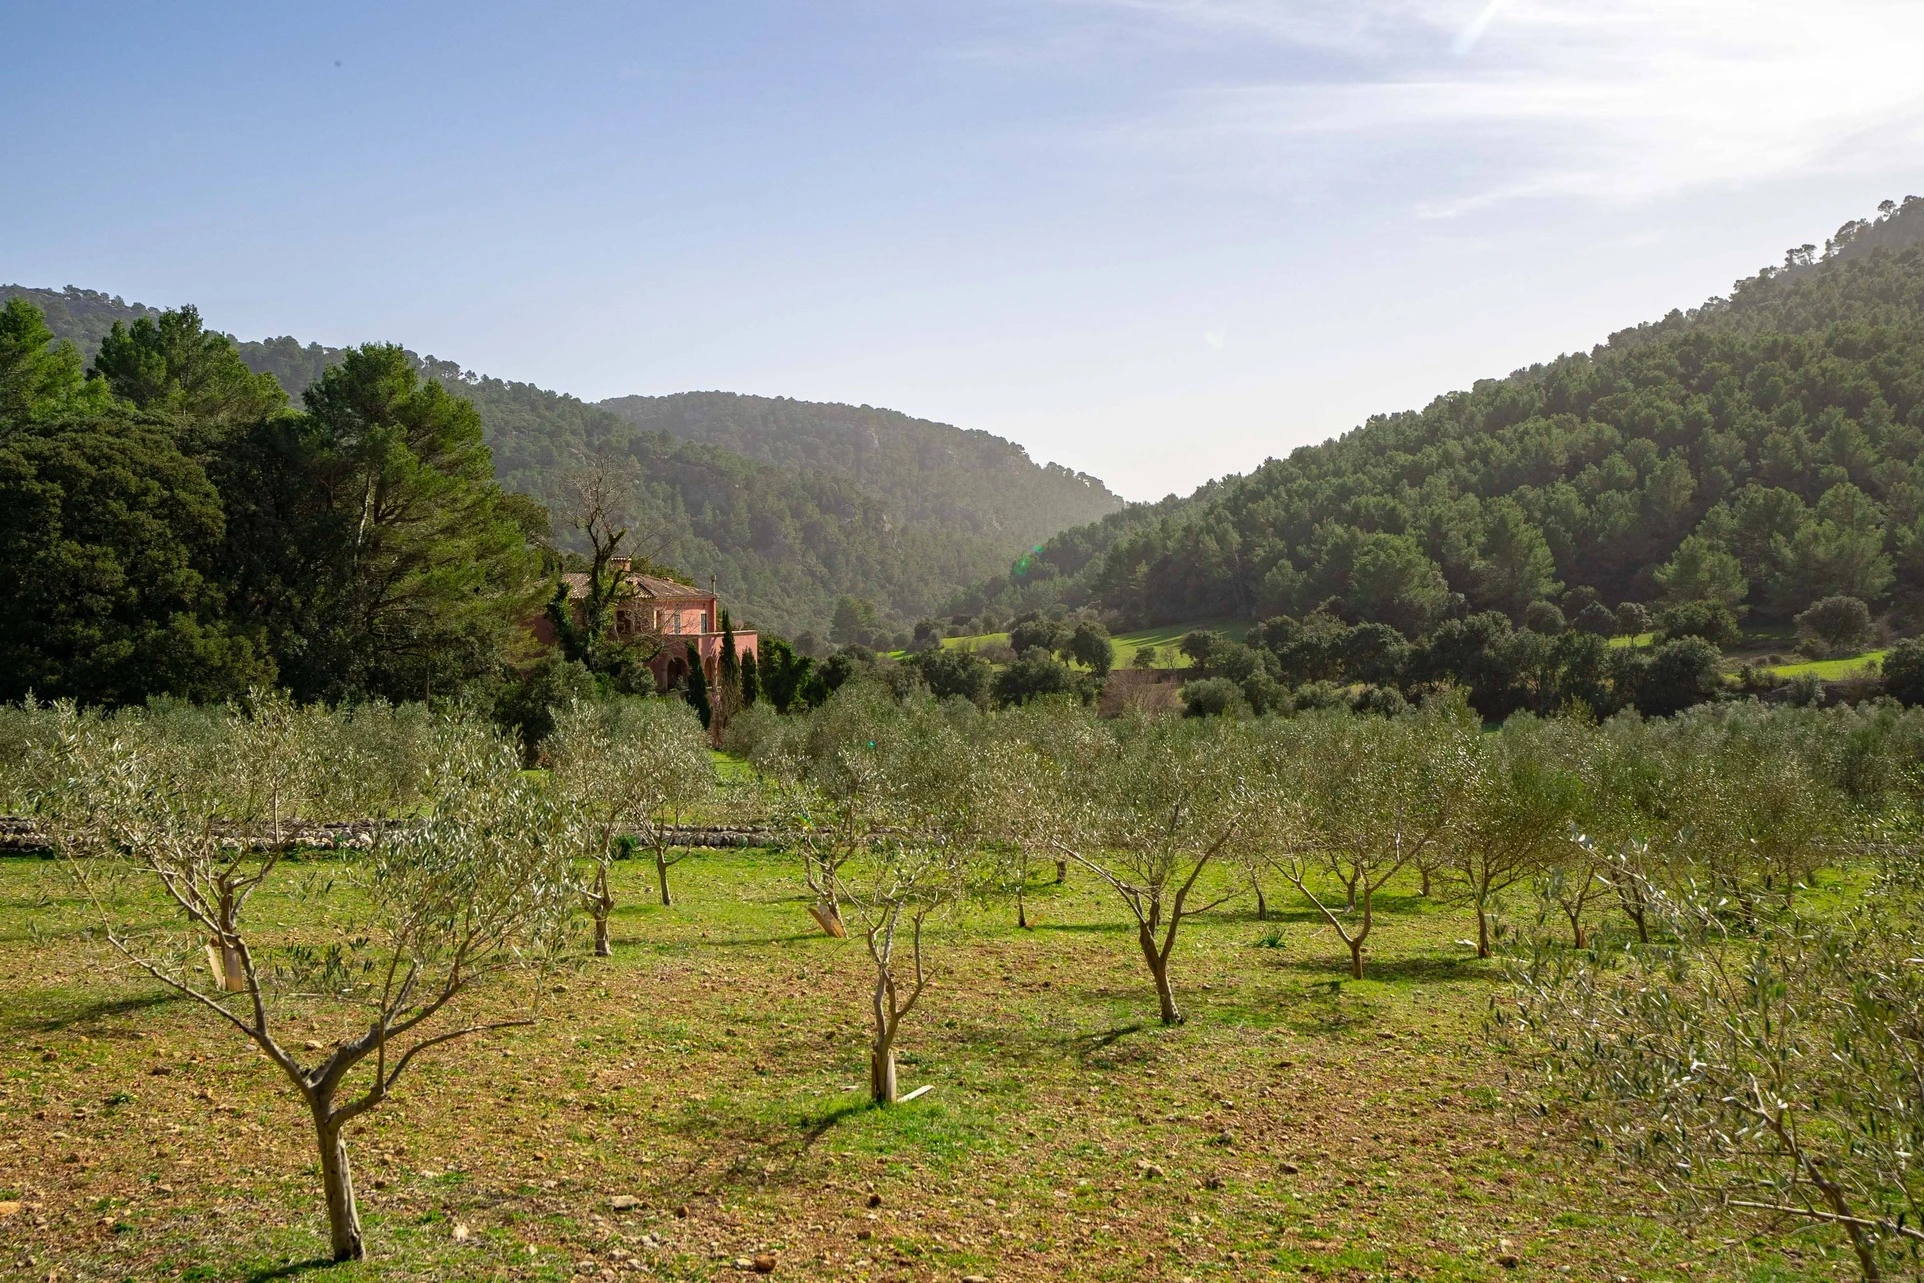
[1832, 670]
[1163, 637]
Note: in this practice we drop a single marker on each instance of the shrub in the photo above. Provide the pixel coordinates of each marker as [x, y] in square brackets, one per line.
[1034, 633]
[1543, 617]
[1235, 661]
[1710, 620]
[1090, 646]
[1806, 690]
[1834, 625]
[1386, 700]
[955, 672]
[1904, 672]
[1212, 697]
[1201, 645]
[526, 703]
[1031, 676]
[1679, 673]
[1598, 619]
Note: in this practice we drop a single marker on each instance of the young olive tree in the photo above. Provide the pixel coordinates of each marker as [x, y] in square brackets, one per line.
[1374, 794]
[474, 886]
[830, 794]
[1024, 766]
[891, 889]
[1149, 815]
[1769, 1078]
[917, 854]
[1748, 805]
[1519, 799]
[628, 767]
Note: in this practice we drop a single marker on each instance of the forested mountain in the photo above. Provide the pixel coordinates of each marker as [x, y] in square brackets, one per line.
[786, 505]
[84, 317]
[782, 542]
[928, 472]
[1763, 450]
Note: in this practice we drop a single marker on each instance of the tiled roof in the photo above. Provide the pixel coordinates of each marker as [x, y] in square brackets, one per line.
[652, 586]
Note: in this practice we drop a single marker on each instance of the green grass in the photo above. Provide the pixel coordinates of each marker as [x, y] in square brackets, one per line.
[1832, 670]
[1300, 1124]
[976, 641]
[1163, 638]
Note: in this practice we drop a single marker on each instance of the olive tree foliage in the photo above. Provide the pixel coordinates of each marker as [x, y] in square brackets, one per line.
[364, 760]
[926, 859]
[1763, 1072]
[829, 794]
[171, 840]
[1750, 802]
[1148, 814]
[1027, 767]
[628, 769]
[1368, 797]
[1521, 795]
[881, 799]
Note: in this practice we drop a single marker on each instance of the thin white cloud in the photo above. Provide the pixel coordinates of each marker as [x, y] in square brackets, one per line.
[1622, 100]
[1466, 39]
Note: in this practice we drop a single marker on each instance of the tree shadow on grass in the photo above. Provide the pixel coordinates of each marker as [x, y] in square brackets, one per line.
[289, 1270]
[1326, 1007]
[735, 943]
[89, 1012]
[822, 1126]
[1427, 969]
[1084, 928]
[1108, 1050]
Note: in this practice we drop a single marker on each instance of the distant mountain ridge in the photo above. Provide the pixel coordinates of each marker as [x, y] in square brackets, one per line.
[928, 471]
[786, 505]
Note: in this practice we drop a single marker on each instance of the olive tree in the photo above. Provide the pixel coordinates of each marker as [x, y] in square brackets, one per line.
[1373, 795]
[1519, 798]
[830, 795]
[1150, 813]
[1025, 765]
[909, 846]
[628, 768]
[473, 887]
[1767, 1076]
[1748, 803]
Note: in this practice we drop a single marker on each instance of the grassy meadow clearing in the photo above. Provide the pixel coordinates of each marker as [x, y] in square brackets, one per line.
[1164, 638]
[697, 1101]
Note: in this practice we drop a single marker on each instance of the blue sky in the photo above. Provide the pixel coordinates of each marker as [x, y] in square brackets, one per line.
[1158, 240]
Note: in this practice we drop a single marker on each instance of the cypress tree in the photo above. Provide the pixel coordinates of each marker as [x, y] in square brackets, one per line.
[698, 687]
[751, 680]
[731, 668]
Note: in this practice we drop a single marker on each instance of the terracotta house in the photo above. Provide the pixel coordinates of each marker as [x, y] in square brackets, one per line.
[680, 613]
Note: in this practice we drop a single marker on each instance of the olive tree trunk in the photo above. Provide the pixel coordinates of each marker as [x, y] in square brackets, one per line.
[1159, 970]
[337, 1182]
[602, 904]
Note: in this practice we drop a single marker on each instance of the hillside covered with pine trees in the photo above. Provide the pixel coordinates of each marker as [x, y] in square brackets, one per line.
[1764, 451]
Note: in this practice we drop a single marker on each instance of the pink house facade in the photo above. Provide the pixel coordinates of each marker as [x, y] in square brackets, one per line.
[680, 614]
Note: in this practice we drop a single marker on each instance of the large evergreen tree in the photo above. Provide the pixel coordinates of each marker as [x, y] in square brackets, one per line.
[109, 535]
[373, 544]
